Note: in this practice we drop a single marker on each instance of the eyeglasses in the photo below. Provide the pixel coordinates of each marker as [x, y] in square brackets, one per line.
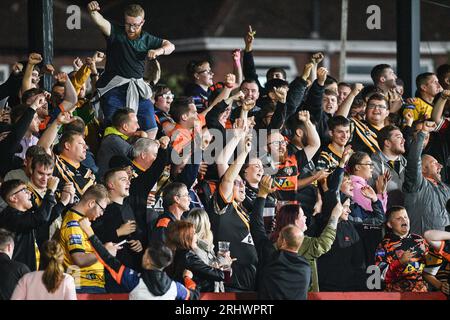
[21, 190]
[206, 71]
[168, 96]
[278, 143]
[239, 183]
[103, 209]
[134, 26]
[376, 106]
[367, 164]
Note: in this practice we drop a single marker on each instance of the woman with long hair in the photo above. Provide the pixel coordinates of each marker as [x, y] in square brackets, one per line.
[205, 246]
[50, 282]
[182, 240]
[252, 172]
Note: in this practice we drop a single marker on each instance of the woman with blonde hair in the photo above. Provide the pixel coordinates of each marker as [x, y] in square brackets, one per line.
[50, 282]
[205, 245]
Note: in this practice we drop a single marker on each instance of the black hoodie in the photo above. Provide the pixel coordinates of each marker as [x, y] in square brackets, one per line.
[282, 275]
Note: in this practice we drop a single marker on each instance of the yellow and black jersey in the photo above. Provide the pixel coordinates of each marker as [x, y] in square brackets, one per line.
[73, 239]
[420, 109]
[81, 177]
[437, 263]
[363, 136]
[36, 196]
[329, 158]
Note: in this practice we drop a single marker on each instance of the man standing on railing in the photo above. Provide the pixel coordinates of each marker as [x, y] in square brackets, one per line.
[127, 48]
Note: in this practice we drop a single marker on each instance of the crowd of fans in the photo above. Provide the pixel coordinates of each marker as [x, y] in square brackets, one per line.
[111, 184]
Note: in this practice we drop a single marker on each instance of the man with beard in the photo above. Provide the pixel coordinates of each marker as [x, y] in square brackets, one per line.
[287, 166]
[384, 79]
[425, 193]
[392, 145]
[401, 255]
[440, 142]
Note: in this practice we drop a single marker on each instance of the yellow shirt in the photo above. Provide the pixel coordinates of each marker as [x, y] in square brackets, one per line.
[73, 239]
[421, 109]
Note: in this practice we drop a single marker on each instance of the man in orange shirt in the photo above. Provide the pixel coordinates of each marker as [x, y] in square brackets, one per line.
[188, 122]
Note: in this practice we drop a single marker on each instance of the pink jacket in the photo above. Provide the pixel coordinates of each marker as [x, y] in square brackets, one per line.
[359, 198]
[31, 287]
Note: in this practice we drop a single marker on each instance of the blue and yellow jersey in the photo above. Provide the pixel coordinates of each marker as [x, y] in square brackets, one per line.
[73, 240]
[421, 110]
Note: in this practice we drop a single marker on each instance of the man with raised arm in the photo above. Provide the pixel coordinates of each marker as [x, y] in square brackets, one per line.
[127, 48]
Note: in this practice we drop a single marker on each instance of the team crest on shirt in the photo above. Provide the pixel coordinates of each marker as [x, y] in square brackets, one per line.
[288, 171]
[248, 240]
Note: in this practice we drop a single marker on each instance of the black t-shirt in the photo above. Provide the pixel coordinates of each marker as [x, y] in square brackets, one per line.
[106, 227]
[231, 223]
[126, 57]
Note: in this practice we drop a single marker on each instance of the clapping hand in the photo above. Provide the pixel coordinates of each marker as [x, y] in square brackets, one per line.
[369, 193]
[382, 182]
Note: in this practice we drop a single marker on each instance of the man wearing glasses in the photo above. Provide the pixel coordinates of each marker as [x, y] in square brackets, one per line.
[20, 217]
[176, 201]
[364, 134]
[79, 255]
[128, 47]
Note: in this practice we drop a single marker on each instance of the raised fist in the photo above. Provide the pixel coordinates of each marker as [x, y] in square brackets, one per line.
[281, 94]
[98, 56]
[93, 6]
[321, 75]
[61, 77]
[52, 183]
[236, 54]
[34, 58]
[317, 58]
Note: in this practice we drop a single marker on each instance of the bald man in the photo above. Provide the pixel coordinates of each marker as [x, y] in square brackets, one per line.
[283, 273]
[425, 193]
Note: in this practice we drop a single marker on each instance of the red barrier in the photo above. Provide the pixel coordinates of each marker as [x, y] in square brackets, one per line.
[311, 296]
